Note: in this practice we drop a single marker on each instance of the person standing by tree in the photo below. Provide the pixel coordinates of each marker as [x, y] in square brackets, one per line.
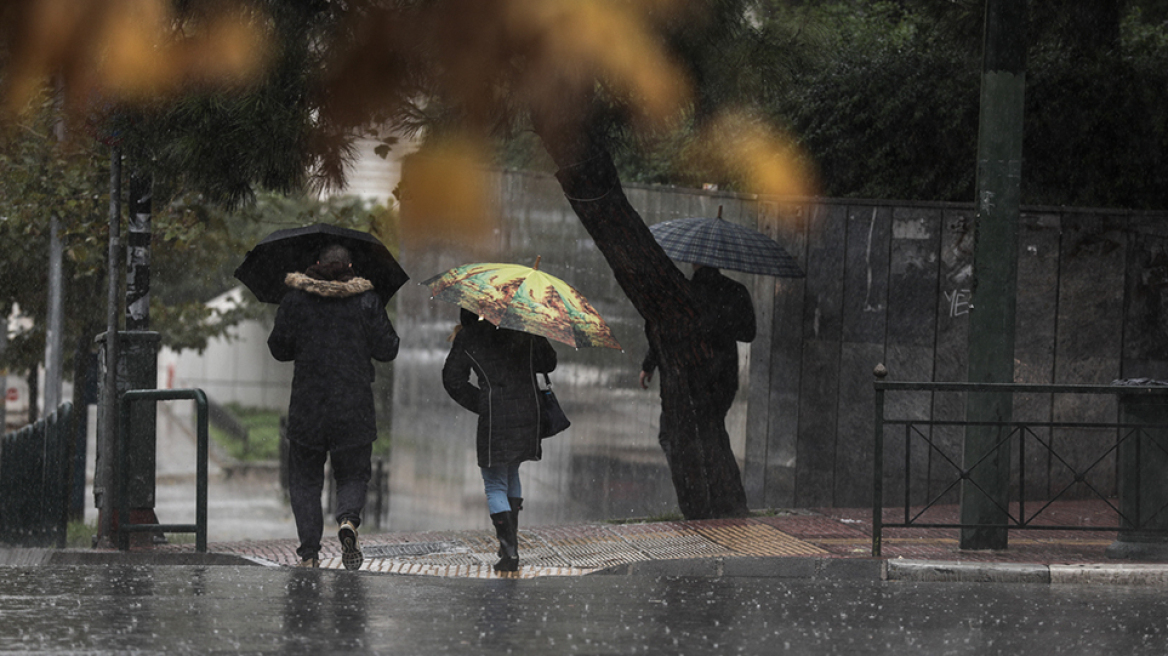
[726, 316]
[506, 400]
[331, 323]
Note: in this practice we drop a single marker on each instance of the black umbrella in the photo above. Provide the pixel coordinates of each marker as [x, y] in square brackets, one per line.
[724, 245]
[295, 249]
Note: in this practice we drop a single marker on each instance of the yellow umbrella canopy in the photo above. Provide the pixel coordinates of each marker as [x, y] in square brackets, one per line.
[525, 299]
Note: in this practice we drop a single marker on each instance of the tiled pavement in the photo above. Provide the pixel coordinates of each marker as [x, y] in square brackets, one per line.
[825, 533]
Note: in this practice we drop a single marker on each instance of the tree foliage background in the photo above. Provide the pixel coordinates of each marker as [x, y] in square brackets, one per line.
[233, 153]
[888, 107]
[882, 96]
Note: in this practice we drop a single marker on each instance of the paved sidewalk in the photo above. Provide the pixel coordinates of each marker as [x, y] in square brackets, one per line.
[796, 543]
[788, 544]
[823, 543]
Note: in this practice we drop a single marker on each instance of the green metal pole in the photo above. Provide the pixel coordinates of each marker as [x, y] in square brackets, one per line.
[991, 320]
[106, 479]
[878, 465]
[201, 471]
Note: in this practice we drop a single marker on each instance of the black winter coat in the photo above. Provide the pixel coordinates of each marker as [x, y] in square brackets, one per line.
[506, 400]
[726, 314]
[331, 329]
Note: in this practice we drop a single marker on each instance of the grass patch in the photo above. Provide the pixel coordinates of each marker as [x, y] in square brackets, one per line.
[381, 446]
[263, 434]
[79, 535]
[772, 512]
[180, 538]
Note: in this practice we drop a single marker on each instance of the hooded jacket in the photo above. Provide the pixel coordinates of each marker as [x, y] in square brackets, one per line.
[332, 328]
[506, 397]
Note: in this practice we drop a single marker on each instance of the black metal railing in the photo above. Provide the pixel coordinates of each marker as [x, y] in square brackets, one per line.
[1025, 436]
[199, 528]
[34, 485]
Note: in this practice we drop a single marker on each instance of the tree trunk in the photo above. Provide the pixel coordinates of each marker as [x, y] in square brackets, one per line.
[693, 434]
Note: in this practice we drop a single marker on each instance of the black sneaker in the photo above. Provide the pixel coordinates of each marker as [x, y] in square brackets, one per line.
[351, 556]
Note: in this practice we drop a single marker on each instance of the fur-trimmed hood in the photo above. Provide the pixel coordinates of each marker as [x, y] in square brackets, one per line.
[328, 288]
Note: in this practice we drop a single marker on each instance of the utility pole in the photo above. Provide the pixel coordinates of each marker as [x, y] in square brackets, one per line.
[54, 332]
[103, 491]
[985, 493]
[138, 252]
[130, 362]
[139, 355]
[54, 323]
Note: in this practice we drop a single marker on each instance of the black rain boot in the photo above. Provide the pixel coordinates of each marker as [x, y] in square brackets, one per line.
[508, 541]
[516, 506]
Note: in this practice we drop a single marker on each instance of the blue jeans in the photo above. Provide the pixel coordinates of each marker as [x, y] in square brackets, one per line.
[501, 482]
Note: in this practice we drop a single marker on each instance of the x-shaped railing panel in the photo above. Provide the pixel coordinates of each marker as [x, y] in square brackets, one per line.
[921, 431]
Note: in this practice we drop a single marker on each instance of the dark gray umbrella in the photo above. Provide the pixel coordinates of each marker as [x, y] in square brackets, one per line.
[295, 249]
[724, 245]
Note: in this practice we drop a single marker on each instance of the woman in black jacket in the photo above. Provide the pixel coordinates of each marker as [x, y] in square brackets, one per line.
[506, 400]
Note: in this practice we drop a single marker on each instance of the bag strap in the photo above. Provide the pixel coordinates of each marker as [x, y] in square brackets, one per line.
[531, 363]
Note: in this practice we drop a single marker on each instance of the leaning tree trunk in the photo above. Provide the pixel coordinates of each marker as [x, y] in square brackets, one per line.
[693, 433]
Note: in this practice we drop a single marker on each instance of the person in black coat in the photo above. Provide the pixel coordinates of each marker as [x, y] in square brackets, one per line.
[726, 314]
[331, 323]
[506, 400]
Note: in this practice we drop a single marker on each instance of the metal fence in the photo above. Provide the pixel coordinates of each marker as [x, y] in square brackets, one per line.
[199, 528]
[1120, 459]
[34, 485]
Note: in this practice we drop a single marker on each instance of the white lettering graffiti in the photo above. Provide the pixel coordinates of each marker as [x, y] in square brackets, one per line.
[958, 302]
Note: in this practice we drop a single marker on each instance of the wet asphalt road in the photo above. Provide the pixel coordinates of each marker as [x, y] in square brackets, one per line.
[253, 609]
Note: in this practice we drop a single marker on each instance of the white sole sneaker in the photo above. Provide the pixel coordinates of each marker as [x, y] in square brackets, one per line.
[351, 556]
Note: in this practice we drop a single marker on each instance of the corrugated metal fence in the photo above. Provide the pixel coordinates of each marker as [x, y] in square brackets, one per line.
[887, 282]
[33, 482]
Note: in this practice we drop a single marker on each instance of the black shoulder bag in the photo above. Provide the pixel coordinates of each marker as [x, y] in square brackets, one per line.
[552, 419]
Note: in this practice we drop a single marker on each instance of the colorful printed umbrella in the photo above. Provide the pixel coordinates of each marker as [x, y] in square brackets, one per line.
[724, 245]
[525, 299]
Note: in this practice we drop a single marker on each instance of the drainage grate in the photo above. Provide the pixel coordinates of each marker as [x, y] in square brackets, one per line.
[599, 555]
[678, 545]
[540, 556]
[413, 549]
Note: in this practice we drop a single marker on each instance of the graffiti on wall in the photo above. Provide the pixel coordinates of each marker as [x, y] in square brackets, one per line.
[959, 302]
